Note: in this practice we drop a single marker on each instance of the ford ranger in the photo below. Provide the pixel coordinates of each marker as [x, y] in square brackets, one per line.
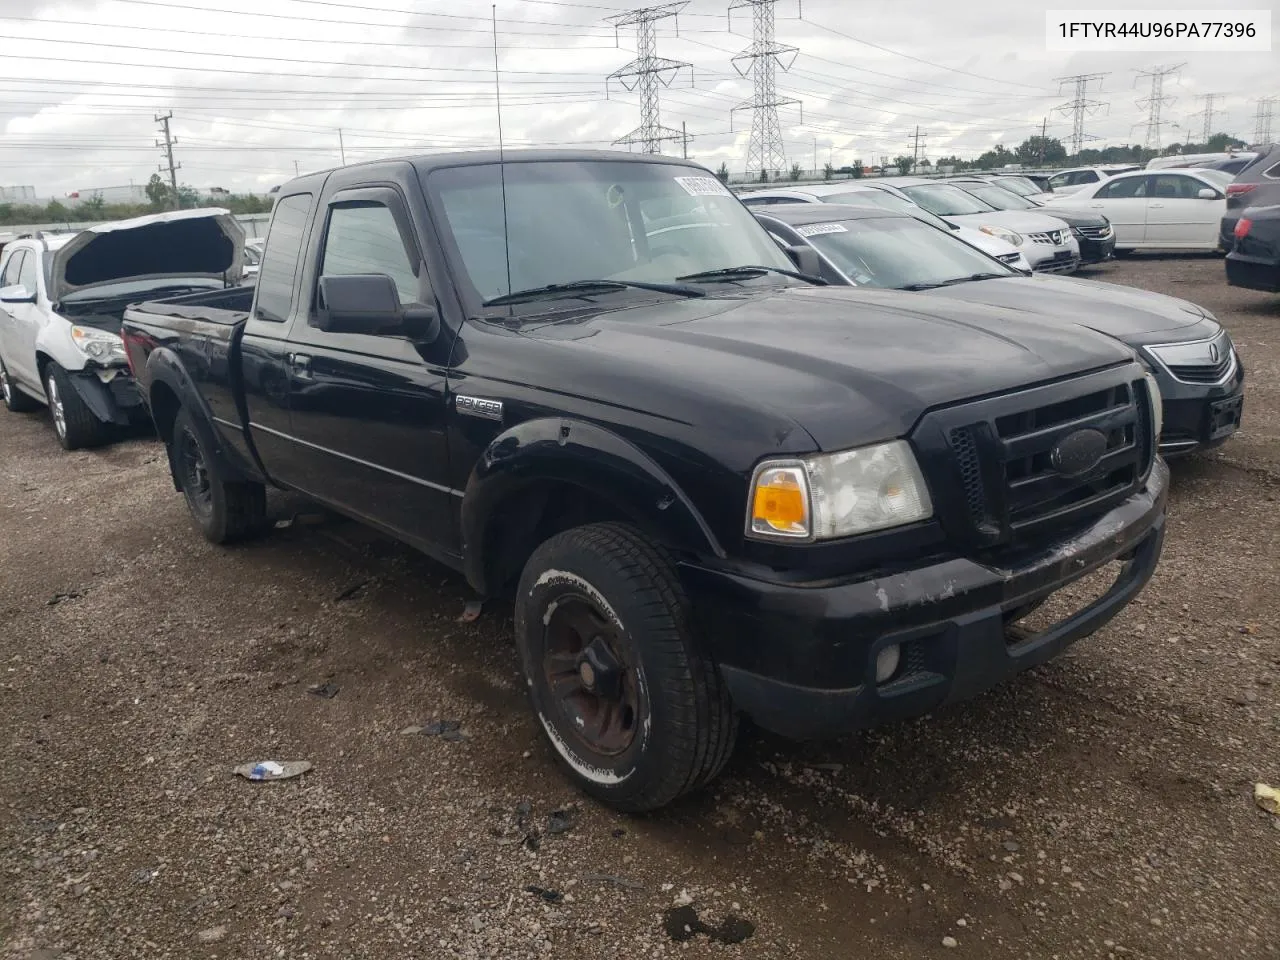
[712, 485]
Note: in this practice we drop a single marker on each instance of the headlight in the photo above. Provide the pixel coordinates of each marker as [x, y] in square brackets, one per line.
[1003, 233]
[838, 495]
[1157, 405]
[99, 344]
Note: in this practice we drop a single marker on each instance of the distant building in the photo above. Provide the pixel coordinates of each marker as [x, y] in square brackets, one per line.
[131, 193]
[18, 194]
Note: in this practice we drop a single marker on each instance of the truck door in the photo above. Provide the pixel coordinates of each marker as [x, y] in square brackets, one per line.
[367, 413]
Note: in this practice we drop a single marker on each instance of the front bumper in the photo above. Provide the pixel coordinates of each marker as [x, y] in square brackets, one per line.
[1199, 416]
[800, 659]
[115, 401]
[1096, 251]
[1254, 273]
[1045, 259]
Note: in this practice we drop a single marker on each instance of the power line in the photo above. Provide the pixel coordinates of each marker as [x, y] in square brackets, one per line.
[648, 72]
[1155, 103]
[1080, 107]
[765, 149]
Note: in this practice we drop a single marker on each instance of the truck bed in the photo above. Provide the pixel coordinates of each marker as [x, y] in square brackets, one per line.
[222, 307]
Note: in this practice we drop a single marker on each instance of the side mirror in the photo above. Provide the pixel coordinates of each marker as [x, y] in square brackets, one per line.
[806, 259]
[370, 304]
[16, 294]
[1208, 193]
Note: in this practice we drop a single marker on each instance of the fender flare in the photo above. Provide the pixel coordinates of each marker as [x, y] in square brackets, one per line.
[165, 367]
[584, 455]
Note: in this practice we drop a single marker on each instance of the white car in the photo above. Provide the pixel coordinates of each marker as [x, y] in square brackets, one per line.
[855, 194]
[1179, 209]
[1189, 159]
[1044, 240]
[253, 250]
[1077, 178]
[62, 302]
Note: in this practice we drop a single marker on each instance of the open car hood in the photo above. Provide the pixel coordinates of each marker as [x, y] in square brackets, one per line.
[204, 243]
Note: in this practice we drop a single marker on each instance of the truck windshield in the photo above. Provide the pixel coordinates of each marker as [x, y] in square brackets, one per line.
[567, 221]
[900, 253]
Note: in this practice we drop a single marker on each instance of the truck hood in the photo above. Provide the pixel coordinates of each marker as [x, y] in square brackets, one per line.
[205, 243]
[1019, 221]
[1127, 313]
[851, 366]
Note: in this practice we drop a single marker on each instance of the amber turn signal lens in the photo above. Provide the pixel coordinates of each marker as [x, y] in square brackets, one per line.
[781, 503]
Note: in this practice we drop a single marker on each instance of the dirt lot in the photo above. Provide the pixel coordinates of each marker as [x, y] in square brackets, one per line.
[1100, 806]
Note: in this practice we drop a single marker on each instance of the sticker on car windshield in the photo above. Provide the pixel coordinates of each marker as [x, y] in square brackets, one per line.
[815, 229]
[703, 187]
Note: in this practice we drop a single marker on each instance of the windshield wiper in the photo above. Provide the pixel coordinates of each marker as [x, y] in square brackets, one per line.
[583, 288]
[749, 272]
[954, 280]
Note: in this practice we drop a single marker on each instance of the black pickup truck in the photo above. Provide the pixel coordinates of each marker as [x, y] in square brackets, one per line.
[712, 484]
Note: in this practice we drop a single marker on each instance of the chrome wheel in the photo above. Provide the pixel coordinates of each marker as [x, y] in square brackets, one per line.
[55, 405]
[5, 387]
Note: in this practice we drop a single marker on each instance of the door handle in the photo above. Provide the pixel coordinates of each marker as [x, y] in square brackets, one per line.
[1095, 206]
[300, 365]
[1156, 206]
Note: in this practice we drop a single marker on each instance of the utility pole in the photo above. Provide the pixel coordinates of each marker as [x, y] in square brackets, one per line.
[1156, 102]
[295, 168]
[684, 136]
[915, 151]
[342, 150]
[172, 167]
[648, 72]
[1044, 128]
[1262, 121]
[815, 156]
[1208, 113]
[1080, 107]
[765, 150]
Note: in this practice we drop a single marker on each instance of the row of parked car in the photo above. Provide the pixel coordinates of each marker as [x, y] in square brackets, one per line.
[816, 463]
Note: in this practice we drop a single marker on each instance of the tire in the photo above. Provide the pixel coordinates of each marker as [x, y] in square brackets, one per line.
[226, 511]
[638, 715]
[73, 422]
[15, 401]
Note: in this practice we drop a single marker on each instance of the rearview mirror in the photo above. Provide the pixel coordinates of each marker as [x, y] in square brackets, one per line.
[806, 259]
[370, 304]
[1207, 193]
[16, 294]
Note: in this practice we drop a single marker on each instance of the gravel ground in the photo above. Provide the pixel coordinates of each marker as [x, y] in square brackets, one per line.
[1099, 806]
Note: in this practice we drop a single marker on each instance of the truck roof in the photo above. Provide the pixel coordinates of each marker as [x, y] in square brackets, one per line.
[426, 162]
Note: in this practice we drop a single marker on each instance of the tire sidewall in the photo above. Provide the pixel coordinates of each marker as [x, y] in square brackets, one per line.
[213, 521]
[53, 375]
[563, 568]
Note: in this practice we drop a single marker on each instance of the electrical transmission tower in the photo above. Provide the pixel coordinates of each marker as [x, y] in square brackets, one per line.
[170, 166]
[1262, 122]
[1156, 102]
[649, 73]
[765, 150]
[1080, 107]
[915, 147]
[1208, 113]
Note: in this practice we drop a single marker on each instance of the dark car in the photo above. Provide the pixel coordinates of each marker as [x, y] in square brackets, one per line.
[710, 484]
[1257, 185]
[1254, 260]
[1092, 230]
[1200, 376]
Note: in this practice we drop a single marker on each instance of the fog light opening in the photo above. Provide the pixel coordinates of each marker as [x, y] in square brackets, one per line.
[887, 661]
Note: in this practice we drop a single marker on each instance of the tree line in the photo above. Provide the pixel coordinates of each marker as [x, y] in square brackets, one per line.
[160, 197]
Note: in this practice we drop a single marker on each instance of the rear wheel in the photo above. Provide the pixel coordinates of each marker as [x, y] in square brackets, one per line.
[635, 712]
[225, 510]
[73, 421]
[14, 399]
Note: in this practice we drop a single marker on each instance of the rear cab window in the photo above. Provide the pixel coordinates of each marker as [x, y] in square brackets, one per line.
[279, 270]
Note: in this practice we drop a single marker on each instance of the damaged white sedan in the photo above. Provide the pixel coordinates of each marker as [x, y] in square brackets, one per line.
[62, 301]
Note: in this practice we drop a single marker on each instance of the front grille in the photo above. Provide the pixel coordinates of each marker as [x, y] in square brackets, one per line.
[995, 466]
[1093, 233]
[1203, 373]
[1062, 262]
[1054, 238]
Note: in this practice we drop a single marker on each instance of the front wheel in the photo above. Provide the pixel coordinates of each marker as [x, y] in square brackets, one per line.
[225, 510]
[636, 713]
[74, 423]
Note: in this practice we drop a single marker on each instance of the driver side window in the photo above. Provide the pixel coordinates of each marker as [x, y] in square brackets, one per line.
[363, 238]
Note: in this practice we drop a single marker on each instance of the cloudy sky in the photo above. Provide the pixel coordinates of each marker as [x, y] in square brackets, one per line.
[259, 88]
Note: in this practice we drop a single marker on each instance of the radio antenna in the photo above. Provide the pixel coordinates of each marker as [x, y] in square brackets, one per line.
[502, 156]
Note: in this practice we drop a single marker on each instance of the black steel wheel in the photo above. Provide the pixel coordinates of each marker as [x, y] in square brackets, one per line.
[225, 510]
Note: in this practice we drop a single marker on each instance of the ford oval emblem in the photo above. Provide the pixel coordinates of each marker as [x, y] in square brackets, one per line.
[1078, 452]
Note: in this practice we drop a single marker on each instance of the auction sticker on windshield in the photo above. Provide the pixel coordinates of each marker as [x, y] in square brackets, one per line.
[816, 229]
[703, 187]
